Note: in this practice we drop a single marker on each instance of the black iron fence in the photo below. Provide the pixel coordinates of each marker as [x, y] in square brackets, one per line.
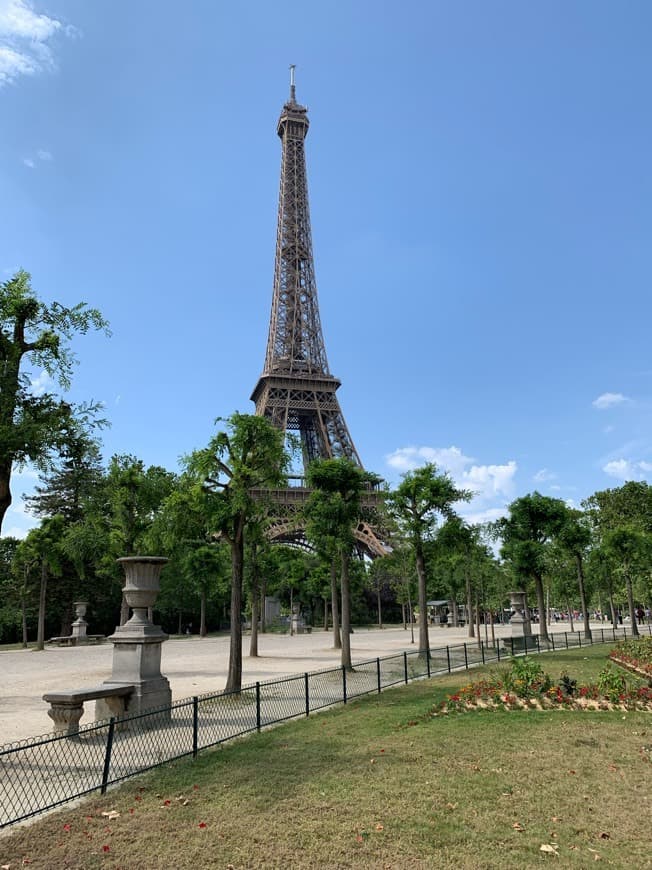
[44, 772]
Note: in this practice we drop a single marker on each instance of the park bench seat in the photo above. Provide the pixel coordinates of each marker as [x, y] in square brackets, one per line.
[67, 707]
[71, 640]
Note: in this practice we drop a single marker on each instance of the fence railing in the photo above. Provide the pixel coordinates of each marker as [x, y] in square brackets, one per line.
[44, 772]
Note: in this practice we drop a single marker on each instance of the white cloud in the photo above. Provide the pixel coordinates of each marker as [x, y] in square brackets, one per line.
[40, 383]
[24, 37]
[544, 475]
[628, 469]
[41, 155]
[489, 483]
[608, 400]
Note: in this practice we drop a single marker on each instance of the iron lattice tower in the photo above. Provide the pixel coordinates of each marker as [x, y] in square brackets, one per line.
[296, 390]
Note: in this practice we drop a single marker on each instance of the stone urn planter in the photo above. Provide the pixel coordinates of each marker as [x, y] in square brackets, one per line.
[143, 583]
[80, 625]
[137, 643]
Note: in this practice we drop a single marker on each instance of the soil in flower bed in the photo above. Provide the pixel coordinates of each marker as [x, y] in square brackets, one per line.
[525, 686]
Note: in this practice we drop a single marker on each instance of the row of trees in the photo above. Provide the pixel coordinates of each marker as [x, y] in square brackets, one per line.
[211, 521]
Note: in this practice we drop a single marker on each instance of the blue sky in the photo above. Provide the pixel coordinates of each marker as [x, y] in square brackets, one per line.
[481, 203]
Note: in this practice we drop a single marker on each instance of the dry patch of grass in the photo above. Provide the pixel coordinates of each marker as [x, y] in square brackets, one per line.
[380, 784]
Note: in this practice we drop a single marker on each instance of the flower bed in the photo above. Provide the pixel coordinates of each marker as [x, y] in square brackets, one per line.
[527, 687]
[635, 654]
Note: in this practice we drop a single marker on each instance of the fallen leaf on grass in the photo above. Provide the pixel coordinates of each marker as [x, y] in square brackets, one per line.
[380, 828]
[556, 819]
[451, 806]
[518, 827]
[605, 836]
[548, 847]
[571, 771]
[112, 814]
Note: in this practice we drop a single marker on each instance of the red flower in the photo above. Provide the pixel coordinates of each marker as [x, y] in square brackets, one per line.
[202, 825]
[106, 848]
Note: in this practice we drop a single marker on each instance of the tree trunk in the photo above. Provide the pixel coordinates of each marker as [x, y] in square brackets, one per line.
[541, 604]
[477, 620]
[23, 613]
[263, 595]
[493, 630]
[234, 678]
[424, 640]
[580, 583]
[346, 612]
[202, 612]
[255, 604]
[337, 638]
[403, 615]
[630, 604]
[469, 608]
[455, 613]
[180, 623]
[325, 600]
[612, 608]
[5, 490]
[380, 612]
[570, 615]
[40, 635]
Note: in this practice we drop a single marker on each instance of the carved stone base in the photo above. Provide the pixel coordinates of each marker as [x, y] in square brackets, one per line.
[66, 717]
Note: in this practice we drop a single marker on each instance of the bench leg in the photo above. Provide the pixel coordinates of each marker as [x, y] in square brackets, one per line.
[66, 717]
[111, 706]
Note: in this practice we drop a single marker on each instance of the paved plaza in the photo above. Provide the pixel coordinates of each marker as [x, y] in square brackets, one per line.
[193, 666]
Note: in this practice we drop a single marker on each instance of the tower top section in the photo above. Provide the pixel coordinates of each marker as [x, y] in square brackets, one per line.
[294, 121]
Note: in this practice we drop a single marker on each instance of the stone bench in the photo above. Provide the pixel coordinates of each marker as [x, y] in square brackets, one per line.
[67, 708]
[73, 640]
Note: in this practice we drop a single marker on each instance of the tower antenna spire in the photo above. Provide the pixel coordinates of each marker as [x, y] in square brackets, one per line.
[293, 93]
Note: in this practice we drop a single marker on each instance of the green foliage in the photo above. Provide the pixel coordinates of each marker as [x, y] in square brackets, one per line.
[33, 427]
[526, 678]
[611, 684]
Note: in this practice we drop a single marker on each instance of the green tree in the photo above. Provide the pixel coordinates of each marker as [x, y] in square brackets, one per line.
[34, 334]
[42, 549]
[574, 536]
[249, 455]
[534, 521]
[333, 509]
[421, 499]
[630, 549]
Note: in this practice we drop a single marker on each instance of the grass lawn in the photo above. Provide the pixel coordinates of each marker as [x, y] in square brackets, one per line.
[381, 784]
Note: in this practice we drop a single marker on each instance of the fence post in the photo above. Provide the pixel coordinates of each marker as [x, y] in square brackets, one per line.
[195, 725]
[257, 706]
[378, 672]
[107, 755]
[343, 684]
[566, 636]
[448, 658]
[428, 662]
[482, 651]
[466, 658]
[498, 649]
[405, 671]
[538, 642]
[552, 639]
[579, 638]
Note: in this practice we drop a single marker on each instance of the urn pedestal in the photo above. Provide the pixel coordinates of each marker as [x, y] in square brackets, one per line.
[520, 622]
[137, 643]
[80, 626]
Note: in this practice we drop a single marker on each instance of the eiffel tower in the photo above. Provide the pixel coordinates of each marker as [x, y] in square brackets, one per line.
[296, 390]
